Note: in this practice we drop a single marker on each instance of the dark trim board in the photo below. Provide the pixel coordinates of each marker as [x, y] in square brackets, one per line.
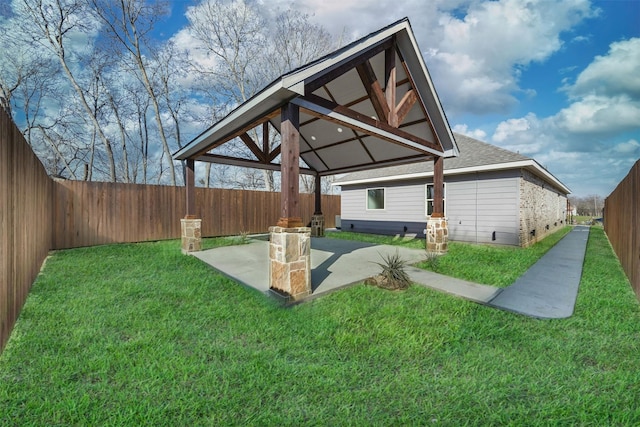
[497, 235]
[389, 228]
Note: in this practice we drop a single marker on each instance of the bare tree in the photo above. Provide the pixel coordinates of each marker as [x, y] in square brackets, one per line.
[590, 205]
[248, 52]
[92, 89]
[231, 32]
[128, 23]
[55, 21]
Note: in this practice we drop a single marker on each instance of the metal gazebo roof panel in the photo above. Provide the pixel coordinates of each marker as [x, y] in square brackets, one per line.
[344, 89]
[381, 150]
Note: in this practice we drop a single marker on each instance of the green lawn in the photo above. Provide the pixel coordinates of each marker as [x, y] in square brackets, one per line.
[139, 334]
[487, 264]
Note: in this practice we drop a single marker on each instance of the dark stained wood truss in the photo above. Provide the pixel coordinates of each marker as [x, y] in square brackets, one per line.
[327, 120]
[319, 103]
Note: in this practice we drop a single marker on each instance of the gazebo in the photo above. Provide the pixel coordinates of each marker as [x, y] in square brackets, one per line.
[367, 105]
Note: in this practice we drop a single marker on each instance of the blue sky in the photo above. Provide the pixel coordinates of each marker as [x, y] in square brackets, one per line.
[556, 81]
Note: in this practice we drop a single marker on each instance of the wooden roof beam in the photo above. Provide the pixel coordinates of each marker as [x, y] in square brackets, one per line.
[342, 69]
[260, 120]
[248, 141]
[407, 101]
[318, 106]
[390, 83]
[373, 88]
[246, 163]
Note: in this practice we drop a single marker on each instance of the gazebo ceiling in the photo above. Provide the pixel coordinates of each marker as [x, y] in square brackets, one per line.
[350, 117]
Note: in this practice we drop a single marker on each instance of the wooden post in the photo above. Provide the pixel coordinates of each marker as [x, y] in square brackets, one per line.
[318, 191]
[189, 181]
[290, 169]
[190, 225]
[438, 186]
[265, 138]
[437, 226]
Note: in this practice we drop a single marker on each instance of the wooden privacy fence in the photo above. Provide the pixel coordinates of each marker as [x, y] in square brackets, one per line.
[96, 213]
[25, 221]
[622, 224]
[38, 214]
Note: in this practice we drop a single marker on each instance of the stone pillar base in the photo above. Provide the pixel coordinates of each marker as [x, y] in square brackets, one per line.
[317, 225]
[191, 235]
[437, 235]
[290, 261]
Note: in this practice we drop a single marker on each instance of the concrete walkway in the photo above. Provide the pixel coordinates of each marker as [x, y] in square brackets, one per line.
[547, 290]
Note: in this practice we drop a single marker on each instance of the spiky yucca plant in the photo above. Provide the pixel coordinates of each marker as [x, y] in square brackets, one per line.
[393, 272]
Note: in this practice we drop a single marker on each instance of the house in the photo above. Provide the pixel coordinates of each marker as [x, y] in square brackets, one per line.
[491, 195]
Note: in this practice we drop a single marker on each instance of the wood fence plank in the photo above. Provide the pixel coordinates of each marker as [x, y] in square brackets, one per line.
[38, 214]
[25, 221]
[622, 224]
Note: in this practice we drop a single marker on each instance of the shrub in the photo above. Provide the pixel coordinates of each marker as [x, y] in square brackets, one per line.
[393, 274]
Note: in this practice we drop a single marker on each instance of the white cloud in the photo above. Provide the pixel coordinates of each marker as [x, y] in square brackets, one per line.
[630, 147]
[527, 135]
[600, 114]
[606, 94]
[505, 129]
[186, 42]
[613, 74]
[475, 133]
[602, 121]
[479, 59]
[360, 17]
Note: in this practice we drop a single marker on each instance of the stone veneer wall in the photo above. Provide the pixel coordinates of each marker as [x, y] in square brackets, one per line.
[543, 209]
[317, 226]
[290, 261]
[437, 236]
[191, 234]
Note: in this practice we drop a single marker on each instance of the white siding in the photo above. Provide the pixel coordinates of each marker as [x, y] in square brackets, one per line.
[480, 205]
[481, 208]
[402, 202]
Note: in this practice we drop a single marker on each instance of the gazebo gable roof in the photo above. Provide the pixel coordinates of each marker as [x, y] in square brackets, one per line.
[346, 121]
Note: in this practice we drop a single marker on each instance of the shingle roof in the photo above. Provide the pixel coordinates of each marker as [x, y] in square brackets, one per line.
[473, 153]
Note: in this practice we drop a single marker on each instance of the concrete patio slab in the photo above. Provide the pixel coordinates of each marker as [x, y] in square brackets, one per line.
[547, 290]
[335, 263]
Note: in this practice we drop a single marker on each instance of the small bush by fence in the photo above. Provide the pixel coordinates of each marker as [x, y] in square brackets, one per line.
[622, 224]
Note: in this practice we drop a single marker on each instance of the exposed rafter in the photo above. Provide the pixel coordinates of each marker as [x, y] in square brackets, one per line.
[372, 86]
[235, 161]
[331, 111]
[249, 142]
[405, 105]
[333, 73]
[363, 106]
[237, 132]
[390, 82]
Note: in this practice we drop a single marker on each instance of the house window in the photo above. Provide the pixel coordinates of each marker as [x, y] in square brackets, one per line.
[429, 198]
[375, 198]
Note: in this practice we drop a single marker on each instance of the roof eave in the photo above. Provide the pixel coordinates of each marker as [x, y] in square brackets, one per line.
[292, 84]
[411, 52]
[529, 164]
[272, 97]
